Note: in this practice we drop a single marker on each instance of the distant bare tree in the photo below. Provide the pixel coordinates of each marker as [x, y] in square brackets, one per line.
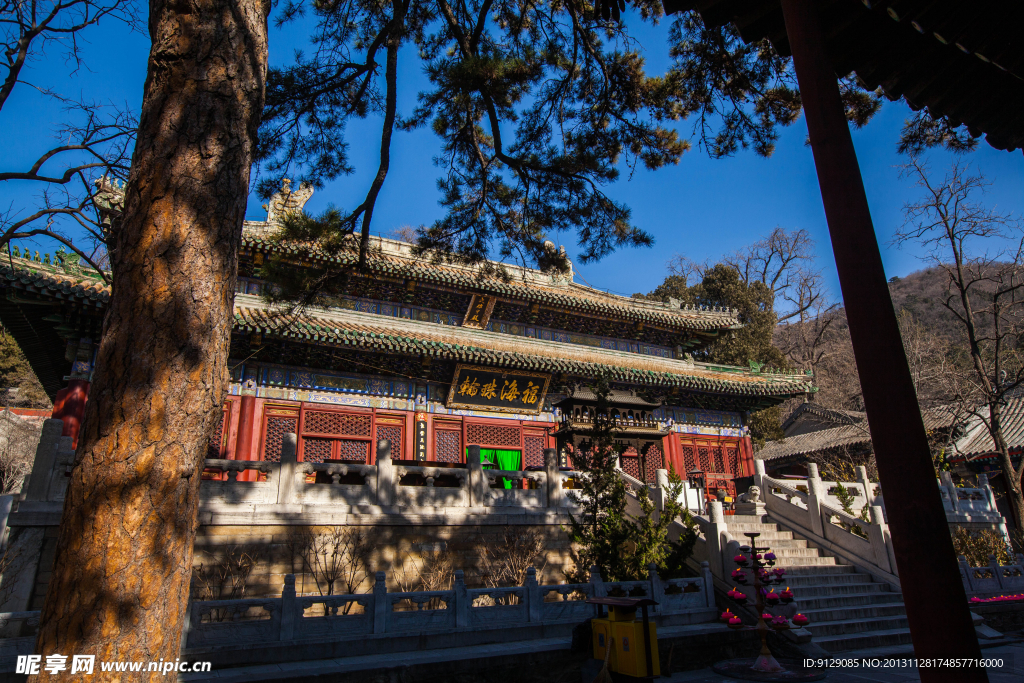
[28, 28]
[985, 293]
[94, 140]
[403, 233]
[18, 441]
[783, 261]
[93, 160]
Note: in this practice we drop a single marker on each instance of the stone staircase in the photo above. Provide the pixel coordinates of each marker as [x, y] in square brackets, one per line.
[847, 609]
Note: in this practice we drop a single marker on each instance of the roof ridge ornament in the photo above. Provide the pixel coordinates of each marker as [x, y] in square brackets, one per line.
[557, 265]
[108, 200]
[286, 200]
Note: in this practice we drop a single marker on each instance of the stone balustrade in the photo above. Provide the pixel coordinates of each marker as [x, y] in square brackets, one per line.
[294, 492]
[993, 579]
[817, 515]
[294, 617]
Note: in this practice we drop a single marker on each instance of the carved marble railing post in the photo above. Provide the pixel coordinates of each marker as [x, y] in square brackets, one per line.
[600, 591]
[6, 503]
[714, 535]
[657, 587]
[288, 608]
[556, 496]
[660, 493]
[534, 599]
[381, 605]
[815, 497]
[288, 480]
[46, 459]
[993, 565]
[385, 474]
[966, 573]
[862, 479]
[759, 472]
[709, 584]
[881, 541]
[59, 480]
[462, 601]
[947, 482]
[987, 488]
[477, 480]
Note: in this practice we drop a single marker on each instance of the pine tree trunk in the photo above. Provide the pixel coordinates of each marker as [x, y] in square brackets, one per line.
[120, 580]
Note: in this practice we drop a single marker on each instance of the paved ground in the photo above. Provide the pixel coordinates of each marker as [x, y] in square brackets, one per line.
[1012, 670]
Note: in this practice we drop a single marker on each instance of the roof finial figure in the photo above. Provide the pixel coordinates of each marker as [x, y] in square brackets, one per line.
[286, 200]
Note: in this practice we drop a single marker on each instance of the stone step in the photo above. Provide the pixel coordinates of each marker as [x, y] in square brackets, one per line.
[854, 626]
[745, 526]
[806, 561]
[783, 553]
[842, 602]
[866, 613]
[821, 569]
[845, 642]
[777, 543]
[837, 589]
[766, 537]
[825, 579]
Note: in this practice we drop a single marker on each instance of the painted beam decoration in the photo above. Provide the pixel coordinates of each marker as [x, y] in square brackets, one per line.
[477, 388]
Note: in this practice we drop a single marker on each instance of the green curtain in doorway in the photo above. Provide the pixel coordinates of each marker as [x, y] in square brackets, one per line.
[506, 460]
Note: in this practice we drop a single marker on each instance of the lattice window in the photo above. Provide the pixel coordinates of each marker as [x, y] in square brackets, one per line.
[447, 446]
[215, 448]
[733, 457]
[653, 461]
[533, 451]
[689, 457]
[392, 433]
[704, 455]
[316, 450]
[630, 461]
[333, 422]
[492, 435]
[274, 430]
[719, 459]
[357, 451]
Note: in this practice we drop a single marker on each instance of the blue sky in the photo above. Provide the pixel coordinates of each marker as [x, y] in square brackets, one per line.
[702, 208]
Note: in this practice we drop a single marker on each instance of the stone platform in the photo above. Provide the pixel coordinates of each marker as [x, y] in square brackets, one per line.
[542, 660]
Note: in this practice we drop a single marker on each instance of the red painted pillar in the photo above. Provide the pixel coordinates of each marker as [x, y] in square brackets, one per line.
[244, 444]
[746, 458]
[69, 406]
[933, 592]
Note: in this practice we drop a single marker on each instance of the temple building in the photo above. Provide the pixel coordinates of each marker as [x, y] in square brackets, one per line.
[434, 358]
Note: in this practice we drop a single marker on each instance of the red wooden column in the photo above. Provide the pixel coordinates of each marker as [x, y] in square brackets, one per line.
[246, 424]
[937, 611]
[69, 406]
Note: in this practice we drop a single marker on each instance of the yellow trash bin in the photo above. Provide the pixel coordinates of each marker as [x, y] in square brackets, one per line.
[623, 632]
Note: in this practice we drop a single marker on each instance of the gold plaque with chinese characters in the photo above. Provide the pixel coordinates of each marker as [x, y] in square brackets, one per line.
[479, 313]
[476, 388]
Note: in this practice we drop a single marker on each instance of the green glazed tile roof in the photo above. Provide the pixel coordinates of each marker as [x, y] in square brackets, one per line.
[52, 281]
[534, 289]
[379, 334]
